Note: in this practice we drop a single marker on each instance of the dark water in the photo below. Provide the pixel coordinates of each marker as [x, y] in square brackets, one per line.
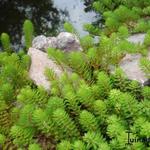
[47, 16]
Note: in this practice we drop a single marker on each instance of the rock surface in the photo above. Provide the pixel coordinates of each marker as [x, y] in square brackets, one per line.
[68, 42]
[39, 42]
[137, 38]
[130, 63]
[64, 41]
[40, 61]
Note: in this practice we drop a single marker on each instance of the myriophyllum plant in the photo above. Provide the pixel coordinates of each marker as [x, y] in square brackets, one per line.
[28, 31]
[5, 40]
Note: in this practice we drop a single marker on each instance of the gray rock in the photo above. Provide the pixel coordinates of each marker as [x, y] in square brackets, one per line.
[39, 42]
[130, 65]
[51, 42]
[137, 38]
[64, 41]
[67, 41]
[40, 61]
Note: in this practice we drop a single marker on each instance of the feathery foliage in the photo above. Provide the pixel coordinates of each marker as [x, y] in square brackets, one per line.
[88, 107]
[28, 31]
[5, 40]
[145, 66]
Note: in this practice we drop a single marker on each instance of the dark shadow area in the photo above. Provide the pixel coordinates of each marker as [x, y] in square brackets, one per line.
[43, 14]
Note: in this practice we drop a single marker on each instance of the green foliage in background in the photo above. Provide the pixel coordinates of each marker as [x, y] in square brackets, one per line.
[28, 31]
[5, 40]
[115, 13]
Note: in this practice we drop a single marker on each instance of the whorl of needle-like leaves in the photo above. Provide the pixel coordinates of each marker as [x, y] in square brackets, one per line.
[85, 96]
[64, 145]
[146, 92]
[119, 80]
[22, 136]
[28, 30]
[53, 104]
[28, 95]
[43, 122]
[145, 66]
[92, 140]
[123, 104]
[104, 84]
[65, 127]
[34, 147]
[88, 121]
[5, 40]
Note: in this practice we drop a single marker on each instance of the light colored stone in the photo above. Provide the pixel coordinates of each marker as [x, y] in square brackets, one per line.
[130, 65]
[67, 41]
[39, 42]
[51, 42]
[42, 42]
[137, 38]
[40, 61]
[64, 41]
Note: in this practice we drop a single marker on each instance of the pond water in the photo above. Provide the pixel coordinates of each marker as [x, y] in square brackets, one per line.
[48, 16]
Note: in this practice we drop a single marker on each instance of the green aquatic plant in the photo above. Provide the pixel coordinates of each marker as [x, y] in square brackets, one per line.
[142, 26]
[28, 30]
[145, 66]
[2, 139]
[5, 40]
[93, 30]
[89, 107]
[146, 92]
[147, 39]
[79, 145]
[88, 121]
[112, 12]
[69, 27]
[64, 145]
[123, 32]
[87, 42]
[34, 147]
